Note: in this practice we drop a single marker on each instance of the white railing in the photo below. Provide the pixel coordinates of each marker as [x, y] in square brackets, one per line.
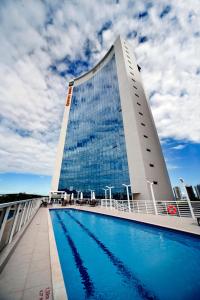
[172, 208]
[14, 216]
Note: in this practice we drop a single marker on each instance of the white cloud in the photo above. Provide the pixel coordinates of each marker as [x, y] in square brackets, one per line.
[179, 147]
[35, 36]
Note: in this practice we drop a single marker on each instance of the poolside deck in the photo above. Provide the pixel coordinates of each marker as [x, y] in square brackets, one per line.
[27, 275]
[182, 224]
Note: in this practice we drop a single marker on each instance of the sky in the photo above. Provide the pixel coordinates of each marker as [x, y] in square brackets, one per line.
[44, 44]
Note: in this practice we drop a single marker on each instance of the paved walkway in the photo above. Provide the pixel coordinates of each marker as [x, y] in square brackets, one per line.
[27, 274]
[172, 222]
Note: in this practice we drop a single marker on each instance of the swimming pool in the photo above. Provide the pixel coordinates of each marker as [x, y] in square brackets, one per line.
[105, 257]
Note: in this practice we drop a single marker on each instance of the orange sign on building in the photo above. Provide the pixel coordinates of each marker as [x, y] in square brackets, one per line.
[69, 95]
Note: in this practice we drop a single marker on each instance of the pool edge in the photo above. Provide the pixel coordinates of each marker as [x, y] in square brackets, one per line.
[59, 290]
[128, 218]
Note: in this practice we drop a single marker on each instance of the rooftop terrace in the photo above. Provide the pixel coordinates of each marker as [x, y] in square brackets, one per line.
[32, 269]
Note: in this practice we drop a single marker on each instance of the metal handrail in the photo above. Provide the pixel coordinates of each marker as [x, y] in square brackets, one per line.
[2, 205]
[179, 208]
[10, 225]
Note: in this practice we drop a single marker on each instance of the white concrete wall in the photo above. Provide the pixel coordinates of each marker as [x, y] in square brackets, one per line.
[138, 157]
[60, 149]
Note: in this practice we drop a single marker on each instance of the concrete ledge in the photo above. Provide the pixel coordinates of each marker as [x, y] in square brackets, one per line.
[59, 291]
[9, 248]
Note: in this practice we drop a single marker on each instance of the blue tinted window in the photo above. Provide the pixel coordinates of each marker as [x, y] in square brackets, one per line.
[95, 152]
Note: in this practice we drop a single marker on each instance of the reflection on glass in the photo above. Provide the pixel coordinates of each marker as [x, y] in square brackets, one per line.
[95, 151]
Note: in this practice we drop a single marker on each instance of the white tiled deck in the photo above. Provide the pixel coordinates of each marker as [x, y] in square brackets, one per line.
[182, 224]
[27, 274]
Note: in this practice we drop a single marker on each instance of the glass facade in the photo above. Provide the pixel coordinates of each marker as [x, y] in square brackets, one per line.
[95, 151]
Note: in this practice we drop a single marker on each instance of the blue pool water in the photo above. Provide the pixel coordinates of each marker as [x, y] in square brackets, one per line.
[108, 258]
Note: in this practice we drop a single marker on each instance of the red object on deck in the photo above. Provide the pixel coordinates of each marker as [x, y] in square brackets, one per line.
[171, 209]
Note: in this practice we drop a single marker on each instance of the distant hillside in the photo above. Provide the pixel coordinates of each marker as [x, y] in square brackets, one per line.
[16, 197]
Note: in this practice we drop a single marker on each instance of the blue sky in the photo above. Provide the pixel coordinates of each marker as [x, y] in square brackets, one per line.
[46, 43]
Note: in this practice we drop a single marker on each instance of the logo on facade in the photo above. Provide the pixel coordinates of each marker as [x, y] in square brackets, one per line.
[69, 95]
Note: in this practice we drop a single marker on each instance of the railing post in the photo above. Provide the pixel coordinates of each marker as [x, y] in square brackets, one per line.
[177, 205]
[133, 205]
[37, 204]
[30, 210]
[27, 212]
[4, 222]
[2, 216]
[14, 224]
[22, 217]
[33, 206]
[145, 206]
[137, 206]
[117, 205]
[166, 208]
[191, 209]
[154, 201]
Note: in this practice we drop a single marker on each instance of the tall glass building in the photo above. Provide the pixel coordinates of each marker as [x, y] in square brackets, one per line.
[108, 136]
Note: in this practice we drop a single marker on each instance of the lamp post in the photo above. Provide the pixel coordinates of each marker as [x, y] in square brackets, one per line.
[110, 188]
[105, 190]
[78, 193]
[128, 198]
[49, 197]
[187, 197]
[91, 193]
[153, 196]
[105, 193]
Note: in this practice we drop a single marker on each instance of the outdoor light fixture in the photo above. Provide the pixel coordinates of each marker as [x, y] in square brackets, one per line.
[91, 193]
[105, 193]
[105, 196]
[153, 196]
[127, 191]
[78, 193]
[187, 197]
[110, 188]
